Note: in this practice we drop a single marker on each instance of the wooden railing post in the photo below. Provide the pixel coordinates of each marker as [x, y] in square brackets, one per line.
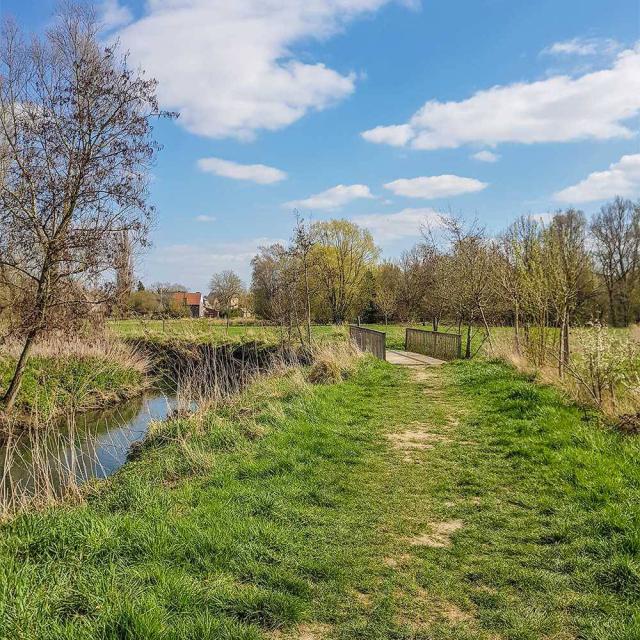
[369, 340]
[444, 346]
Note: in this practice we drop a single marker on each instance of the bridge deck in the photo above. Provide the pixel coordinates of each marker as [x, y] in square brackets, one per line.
[407, 359]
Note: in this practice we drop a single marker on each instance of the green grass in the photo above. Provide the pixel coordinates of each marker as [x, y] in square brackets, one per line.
[203, 330]
[52, 385]
[291, 510]
[207, 330]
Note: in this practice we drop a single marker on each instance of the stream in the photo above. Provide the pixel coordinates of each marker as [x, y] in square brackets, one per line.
[96, 446]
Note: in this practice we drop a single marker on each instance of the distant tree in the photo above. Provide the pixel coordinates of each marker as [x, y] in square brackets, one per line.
[140, 286]
[144, 303]
[165, 291]
[265, 281]
[569, 273]
[76, 126]
[469, 275]
[616, 250]
[302, 250]
[226, 289]
[387, 287]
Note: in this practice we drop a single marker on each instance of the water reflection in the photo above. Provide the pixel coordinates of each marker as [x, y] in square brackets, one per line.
[94, 445]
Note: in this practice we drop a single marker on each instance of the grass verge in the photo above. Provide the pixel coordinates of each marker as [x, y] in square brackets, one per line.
[76, 375]
[465, 502]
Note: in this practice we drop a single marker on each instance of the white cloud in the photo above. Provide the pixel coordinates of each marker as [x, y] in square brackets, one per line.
[430, 187]
[486, 156]
[194, 264]
[333, 198]
[622, 178]
[113, 15]
[582, 47]
[204, 218]
[386, 227]
[561, 108]
[395, 135]
[229, 66]
[260, 173]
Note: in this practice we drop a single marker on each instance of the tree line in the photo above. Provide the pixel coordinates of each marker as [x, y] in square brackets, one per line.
[540, 275]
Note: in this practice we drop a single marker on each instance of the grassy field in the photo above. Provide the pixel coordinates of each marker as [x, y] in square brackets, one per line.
[205, 330]
[463, 502]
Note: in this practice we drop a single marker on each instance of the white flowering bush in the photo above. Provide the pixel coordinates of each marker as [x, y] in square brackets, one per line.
[606, 366]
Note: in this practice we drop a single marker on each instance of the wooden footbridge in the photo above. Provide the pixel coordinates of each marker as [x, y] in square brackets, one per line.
[421, 347]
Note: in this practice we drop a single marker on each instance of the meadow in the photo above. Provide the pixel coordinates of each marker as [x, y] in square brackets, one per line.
[455, 503]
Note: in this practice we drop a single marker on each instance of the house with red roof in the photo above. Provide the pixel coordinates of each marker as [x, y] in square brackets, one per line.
[193, 301]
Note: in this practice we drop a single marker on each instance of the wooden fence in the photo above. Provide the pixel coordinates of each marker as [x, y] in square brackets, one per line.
[444, 346]
[369, 340]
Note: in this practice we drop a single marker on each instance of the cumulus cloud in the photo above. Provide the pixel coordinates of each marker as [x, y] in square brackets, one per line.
[582, 47]
[430, 187]
[230, 68]
[395, 135]
[593, 106]
[260, 173]
[196, 263]
[622, 178]
[486, 156]
[387, 227]
[333, 198]
[113, 15]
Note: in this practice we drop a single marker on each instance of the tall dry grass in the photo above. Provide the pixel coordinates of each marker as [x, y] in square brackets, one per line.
[96, 347]
[603, 371]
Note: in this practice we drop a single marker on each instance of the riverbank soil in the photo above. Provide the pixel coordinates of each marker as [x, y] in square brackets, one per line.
[455, 502]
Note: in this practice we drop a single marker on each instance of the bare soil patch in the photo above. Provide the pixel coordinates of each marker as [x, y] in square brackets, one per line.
[416, 439]
[439, 535]
[421, 609]
[399, 561]
[312, 631]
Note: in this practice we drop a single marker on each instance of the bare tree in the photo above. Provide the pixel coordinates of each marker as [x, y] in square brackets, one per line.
[76, 123]
[616, 240]
[303, 243]
[226, 290]
[469, 275]
[569, 272]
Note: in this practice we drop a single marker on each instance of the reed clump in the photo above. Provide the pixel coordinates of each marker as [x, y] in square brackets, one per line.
[333, 362]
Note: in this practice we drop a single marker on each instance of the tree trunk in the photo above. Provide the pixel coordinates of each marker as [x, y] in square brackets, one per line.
[560, 350]
[467, 353]
[566, 341]
[612, 309]
[516, 327]
[11, 394]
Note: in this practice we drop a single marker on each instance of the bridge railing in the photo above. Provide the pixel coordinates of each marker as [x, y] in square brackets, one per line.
[444, 346]
[369, 340]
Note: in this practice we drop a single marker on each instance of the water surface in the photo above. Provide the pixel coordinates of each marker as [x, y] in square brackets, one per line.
[94, 446]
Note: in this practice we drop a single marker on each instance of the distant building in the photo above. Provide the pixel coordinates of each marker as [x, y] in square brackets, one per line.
[210, 311]
[194, 302]
[212, 308]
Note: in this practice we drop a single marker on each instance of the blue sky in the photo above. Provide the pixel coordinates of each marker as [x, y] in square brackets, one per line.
[384, 112]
